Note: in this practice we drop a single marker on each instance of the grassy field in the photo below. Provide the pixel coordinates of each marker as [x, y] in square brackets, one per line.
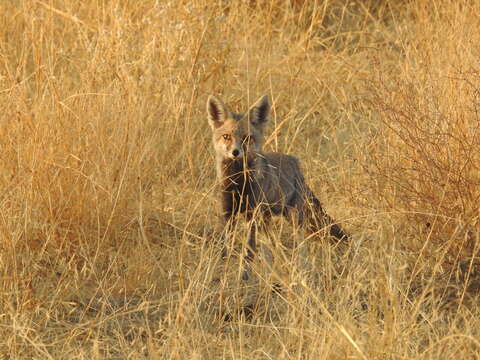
[107, 180]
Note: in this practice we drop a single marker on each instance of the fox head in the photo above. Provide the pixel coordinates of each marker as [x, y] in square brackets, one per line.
[235, 136]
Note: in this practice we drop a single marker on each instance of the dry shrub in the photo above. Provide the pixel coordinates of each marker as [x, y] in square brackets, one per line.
[107, 175]
[424, 159]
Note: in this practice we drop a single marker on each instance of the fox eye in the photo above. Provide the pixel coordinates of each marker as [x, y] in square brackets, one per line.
[226, 137]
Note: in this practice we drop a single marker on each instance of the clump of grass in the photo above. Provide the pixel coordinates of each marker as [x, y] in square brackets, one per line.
[424, 164]
[107, 179]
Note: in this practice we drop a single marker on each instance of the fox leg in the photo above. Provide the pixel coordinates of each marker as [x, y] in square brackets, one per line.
[226, 237]
[267, 254]
[252, 242]
[251, 246]
[300, 256]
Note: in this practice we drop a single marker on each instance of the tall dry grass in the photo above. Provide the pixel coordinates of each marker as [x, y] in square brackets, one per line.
[107, 184]
[423, 162]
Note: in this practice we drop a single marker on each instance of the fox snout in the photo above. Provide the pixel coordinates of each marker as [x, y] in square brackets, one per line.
[236, 152]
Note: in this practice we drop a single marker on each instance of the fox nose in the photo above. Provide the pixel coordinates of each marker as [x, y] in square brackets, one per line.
[235, 152]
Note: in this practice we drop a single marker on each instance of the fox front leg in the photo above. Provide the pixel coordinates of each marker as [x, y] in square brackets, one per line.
[228, 226]
[251, 248]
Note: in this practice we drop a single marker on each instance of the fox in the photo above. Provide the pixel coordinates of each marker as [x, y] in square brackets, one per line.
[259, 184]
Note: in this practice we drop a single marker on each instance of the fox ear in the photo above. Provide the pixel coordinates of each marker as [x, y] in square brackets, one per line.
[258, 113]
[217, 111]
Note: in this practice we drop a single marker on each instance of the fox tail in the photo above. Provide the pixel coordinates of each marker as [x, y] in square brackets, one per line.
[319, 219]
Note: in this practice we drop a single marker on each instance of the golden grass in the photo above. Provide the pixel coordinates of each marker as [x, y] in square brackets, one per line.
[107, 184]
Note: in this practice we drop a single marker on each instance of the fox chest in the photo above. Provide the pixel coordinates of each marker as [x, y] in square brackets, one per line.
[239, 190]
[238, 196]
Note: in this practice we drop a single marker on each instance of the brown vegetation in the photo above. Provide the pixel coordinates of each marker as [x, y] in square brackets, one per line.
[107, 178]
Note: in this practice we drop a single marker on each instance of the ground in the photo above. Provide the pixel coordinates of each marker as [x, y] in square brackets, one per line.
[108, 191]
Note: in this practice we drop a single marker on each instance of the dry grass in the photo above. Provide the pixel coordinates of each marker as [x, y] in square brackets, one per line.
[107, 184]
